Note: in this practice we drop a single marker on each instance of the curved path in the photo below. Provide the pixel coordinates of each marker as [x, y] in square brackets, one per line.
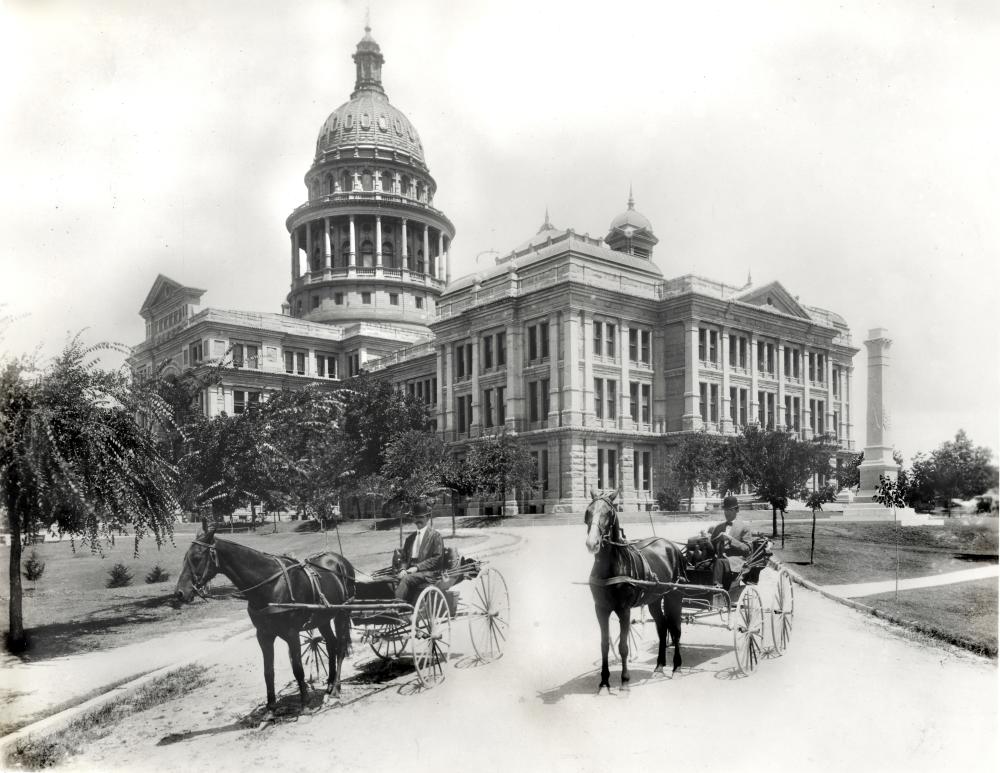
[851, 692]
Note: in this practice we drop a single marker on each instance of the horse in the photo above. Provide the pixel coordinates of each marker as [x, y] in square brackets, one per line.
[263, 579]
[627, 575]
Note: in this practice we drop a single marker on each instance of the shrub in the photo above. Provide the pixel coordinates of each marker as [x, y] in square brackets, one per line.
[33, 568]
[120, 576]
[157, 574]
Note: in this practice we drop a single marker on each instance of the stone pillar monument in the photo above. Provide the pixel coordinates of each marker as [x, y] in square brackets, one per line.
[878, 446]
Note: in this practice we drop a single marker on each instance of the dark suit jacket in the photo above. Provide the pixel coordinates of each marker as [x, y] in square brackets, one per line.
[431, 551]
[739, 545]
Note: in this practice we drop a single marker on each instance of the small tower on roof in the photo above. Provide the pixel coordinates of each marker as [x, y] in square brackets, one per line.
[631, 232]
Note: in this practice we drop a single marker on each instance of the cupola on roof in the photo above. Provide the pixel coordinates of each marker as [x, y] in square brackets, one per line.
[630, 218]
[368, 118]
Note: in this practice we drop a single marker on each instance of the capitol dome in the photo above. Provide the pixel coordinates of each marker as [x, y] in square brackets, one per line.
[631, 232]
[630, 218]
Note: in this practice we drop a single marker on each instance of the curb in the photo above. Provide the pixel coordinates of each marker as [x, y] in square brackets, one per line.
[911, 625]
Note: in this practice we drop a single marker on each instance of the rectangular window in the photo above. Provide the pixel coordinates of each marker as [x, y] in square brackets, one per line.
[544, 397]
[645, 347]
[543, 344]
[835, 375]
[796, 364]
[702, 344]
[300, 363]
[487, 352]
[314, 302]
[245, 401]
[633, 400]
[703, 400]
[245, 356]
[633, 344]
[532, 401]
[460, 423]
[733, 353]
[195, 352]
[487, 407]
[797, 417]
[600, 468]
[599, 398]
[820, 417]
[607, 468]
[646, 393]
[836, 425]
[338, 299]
[812, 415]
[501, 406]
[609, 340]
[812, 366]
[640, 470]
[713, 346]
[532, 344]
[393, 299]
[327, 366]
[540, 460]
[612, 402]
[788, 362]
[598, 337]
[713, 403]
[501, 349]
[788, 412]
[459, 361]
[744, 345]
[366, 297]
[289, 362]
[419, 302]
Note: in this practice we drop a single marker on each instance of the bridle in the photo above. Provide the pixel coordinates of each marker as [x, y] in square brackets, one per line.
[196, 583]
[604, 537]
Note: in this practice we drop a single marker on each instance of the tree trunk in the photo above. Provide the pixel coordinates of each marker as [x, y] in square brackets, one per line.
[454, 513]
[782, 529]
[812, 544]
[774, 521]
[16, 640]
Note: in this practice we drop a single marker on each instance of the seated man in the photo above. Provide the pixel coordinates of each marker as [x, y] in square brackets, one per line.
[731, 539]
[422, 554]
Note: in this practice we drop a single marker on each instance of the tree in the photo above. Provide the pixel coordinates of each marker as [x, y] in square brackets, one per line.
[695, 462]
[414, 463]
[849, 472]
[814, 501]
[961, 470]
[499, 464]
[458, 477]
[74, 455]
[894, 494]
[777, 465]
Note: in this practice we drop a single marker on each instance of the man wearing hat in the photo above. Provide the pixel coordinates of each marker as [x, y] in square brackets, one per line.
[731, 540]
[421, 557]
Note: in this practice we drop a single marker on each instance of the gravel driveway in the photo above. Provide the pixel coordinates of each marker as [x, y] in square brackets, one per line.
[851, 692]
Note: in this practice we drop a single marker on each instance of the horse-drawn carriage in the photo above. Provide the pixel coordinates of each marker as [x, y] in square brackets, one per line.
[674, 581]
[467, 591]
[314, 602]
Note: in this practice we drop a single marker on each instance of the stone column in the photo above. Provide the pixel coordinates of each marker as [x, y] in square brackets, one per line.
[353, 254]
[588, 369]
[406, 248]
[781, 418]
[440, 257]
[727, 420]
[295, 254]
[378, 241]
[447, 263]
[427, 250]
[659, 406]
[625, 471]
[806, 411]
[624, 417]
[828, 370]
[309, 246]
[554, 390]
[572, 388]
[441, 390]
[754, 385]
[449, 392]
[327, 252]
[878, 444]
[475, 428]
[515, 383]
[691, 418]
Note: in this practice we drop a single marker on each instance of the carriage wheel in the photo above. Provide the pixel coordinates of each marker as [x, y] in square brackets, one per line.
[430, 636]
[488, 610]
[636, 629]
[748, 630]
[783, 613]
[315, 660]
[387, 640]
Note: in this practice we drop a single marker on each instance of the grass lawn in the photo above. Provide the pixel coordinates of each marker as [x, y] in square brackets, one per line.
[965, 613]
[70, 609]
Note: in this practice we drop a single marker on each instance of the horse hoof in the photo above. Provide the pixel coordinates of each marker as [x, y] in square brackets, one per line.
[658, 670]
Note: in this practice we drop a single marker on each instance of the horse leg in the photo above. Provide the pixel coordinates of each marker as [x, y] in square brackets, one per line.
[295, 657]
[603, 620]
[656, 610]
[325, 628]
[266, 641]
[624, 629]
[672, 609]
[342, 647]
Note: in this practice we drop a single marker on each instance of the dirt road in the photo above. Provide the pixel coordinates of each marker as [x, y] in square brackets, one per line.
[850, 692]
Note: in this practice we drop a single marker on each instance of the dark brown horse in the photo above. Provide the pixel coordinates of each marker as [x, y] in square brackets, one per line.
[263, 579]
[627, 575]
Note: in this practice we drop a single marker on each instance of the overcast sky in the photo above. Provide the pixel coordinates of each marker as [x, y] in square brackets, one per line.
[846, 149]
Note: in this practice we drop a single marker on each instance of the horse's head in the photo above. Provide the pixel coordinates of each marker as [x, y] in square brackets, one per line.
[601, 517]
[201, 563]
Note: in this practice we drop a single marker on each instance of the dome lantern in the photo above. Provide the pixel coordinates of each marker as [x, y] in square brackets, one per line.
[631, 232]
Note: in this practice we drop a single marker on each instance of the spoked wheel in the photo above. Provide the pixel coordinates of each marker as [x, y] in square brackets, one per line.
[315, 660]
[783, 613]
[488, 610]
[748, 630]
[636, 629]
[430, 636]
[387, 640]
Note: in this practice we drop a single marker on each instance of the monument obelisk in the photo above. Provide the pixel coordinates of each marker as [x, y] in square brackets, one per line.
[878, 446]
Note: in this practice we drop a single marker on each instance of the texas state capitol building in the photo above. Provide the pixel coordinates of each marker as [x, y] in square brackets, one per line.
[578, 344]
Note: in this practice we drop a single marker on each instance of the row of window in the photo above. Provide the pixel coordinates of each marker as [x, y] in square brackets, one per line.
[366, 299]
[795, 361]
[423, 389]
[766, 416]
[639, 342]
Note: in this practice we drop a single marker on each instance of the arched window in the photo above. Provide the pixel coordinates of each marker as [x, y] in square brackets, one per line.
[386, 182]
[388, 258]
[329, 183]
[345, 252]
[345, 181]
[406, 185]
[367, 253]
[420, 261]
[367, 183]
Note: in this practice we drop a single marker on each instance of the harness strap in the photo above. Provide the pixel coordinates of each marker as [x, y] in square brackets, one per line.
[288, 582]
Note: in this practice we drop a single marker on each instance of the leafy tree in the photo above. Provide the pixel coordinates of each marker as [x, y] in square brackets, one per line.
[814, 501]
[961, 470]
[695, 462]
[894, 494]
[459, 479]
[777, 465]
[72, 454]
[849, 472]
[498, 464]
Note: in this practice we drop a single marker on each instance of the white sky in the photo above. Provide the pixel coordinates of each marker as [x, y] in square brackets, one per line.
[846, 149]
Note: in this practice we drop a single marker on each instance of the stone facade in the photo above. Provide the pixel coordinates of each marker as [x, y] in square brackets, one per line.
[577, 344]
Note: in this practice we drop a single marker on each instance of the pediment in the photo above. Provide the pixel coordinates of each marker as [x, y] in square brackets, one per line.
[776, 297]
[165, 290]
